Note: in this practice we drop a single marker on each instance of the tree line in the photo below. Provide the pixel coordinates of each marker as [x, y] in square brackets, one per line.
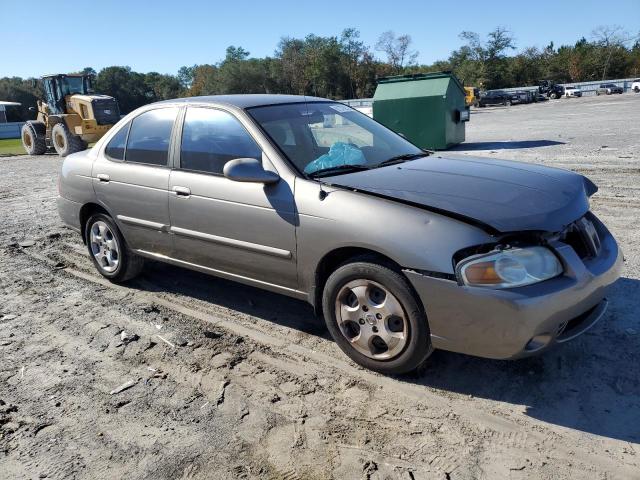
[343, 66]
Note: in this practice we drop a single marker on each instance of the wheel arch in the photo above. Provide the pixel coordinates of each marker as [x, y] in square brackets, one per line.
[338, 256]
[86, 211]
[53, 120]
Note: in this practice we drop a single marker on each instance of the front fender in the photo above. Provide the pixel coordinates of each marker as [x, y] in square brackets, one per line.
[410, 236]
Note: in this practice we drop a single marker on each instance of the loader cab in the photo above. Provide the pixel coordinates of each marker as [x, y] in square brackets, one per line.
[57, 87]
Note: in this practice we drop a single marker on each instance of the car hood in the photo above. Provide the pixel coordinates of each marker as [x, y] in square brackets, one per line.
[502, 195]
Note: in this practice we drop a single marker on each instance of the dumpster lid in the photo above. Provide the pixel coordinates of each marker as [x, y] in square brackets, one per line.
[412, 77]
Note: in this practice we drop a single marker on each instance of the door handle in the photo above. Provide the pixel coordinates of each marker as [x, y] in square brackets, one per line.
[182, 191]
[103, 177]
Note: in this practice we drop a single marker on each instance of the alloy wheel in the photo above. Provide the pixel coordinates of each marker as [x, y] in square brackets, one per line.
[104, 246]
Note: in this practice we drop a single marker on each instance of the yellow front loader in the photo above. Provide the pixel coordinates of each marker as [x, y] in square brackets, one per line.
[70, 117]
[472, 96]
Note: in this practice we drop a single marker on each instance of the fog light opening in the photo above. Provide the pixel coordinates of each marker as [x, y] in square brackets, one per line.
[538, 342]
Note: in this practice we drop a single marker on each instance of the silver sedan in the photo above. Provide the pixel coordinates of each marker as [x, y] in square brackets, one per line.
[399, 249]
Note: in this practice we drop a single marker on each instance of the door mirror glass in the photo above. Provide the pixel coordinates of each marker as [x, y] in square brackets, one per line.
[248, 170]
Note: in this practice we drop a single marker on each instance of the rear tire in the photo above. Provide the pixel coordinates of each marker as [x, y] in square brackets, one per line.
[33, 138]
[65, 142]
[109, 251]
[390, 333]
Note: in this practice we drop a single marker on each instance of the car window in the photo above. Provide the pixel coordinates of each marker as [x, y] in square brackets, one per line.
[115, 147]
[210, 138]
[334, 128]
[281, 131]
[315, 136]
[150, 135]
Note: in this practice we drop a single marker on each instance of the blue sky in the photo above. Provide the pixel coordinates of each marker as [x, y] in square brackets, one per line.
[164, 35]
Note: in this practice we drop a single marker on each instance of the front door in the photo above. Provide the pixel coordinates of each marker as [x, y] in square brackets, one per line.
[242, 229]
[131, 179]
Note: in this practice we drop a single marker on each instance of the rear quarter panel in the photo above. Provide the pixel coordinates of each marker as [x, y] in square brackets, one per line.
[75, 178]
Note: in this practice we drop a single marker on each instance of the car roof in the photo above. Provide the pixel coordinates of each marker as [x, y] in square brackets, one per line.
[248, 100]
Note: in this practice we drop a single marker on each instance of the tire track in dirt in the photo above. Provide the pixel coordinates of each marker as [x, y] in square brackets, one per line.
[501, 431]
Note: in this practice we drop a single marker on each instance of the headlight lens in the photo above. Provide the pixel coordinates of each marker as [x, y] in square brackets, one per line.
[510, 268]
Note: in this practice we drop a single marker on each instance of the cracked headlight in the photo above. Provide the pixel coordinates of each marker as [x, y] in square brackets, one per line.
[514, 267]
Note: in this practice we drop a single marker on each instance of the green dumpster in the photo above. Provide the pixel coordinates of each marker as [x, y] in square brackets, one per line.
[427, 108]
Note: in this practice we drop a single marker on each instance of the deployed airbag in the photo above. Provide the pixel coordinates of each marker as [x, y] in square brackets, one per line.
[339, 154]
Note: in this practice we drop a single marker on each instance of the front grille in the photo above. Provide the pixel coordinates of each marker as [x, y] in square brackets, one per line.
[106, 111]
[583, 237]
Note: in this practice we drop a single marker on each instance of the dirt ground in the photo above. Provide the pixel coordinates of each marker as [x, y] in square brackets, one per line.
[226, 381]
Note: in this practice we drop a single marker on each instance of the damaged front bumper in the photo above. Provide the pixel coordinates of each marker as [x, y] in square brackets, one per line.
[517, 322]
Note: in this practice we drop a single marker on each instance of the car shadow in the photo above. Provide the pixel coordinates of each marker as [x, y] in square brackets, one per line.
[591, 384]
[516, 145]
[273, 307]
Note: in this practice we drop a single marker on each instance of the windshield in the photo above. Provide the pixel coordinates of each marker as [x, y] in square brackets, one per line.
[331, 136]
[71, 85]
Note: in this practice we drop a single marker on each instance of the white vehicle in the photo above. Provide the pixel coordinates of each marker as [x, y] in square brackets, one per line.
[635, 86]
[572, 92]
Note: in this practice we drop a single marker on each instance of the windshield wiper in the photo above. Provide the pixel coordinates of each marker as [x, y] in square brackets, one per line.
[338, 168]
[402, 158]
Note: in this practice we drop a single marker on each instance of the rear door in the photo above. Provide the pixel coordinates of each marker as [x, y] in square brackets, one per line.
[242, 229]
[131, 179]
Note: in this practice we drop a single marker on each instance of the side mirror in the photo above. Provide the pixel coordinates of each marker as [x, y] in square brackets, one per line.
[248, 170]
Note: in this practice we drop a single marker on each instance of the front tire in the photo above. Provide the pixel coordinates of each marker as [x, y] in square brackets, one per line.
[65, 142]
[109, 251]
[375, 318]
[33, 138]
